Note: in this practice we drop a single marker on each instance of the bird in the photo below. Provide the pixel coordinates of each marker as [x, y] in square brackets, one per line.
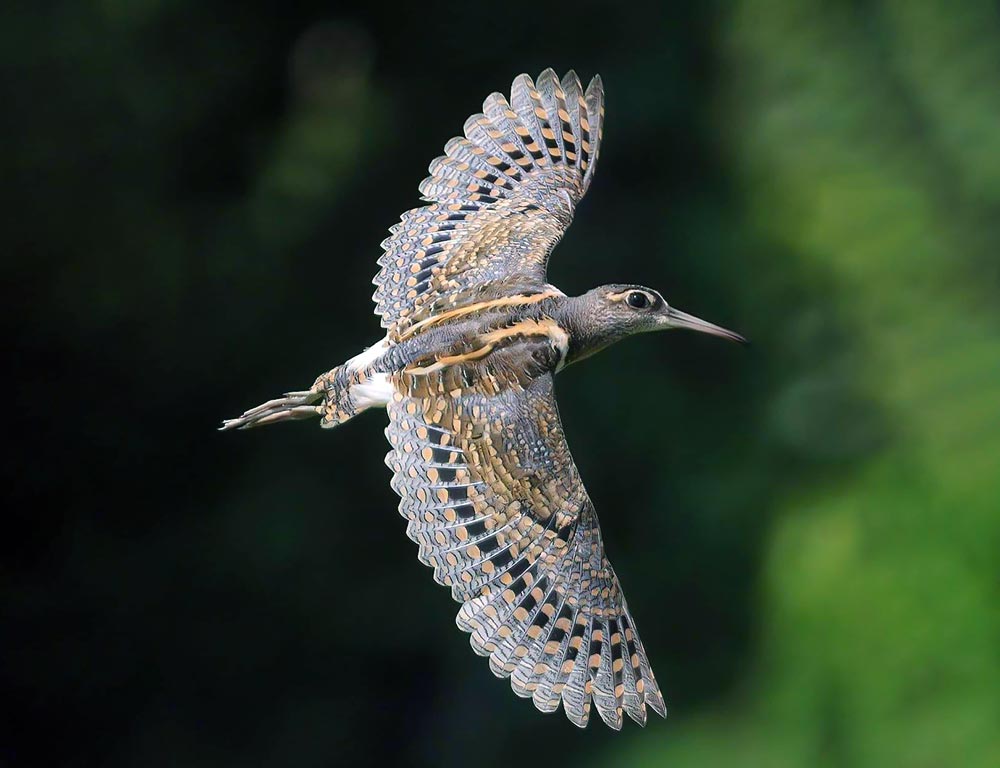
[474, 336]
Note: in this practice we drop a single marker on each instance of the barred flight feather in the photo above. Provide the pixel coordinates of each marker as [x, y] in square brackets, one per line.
[497, 508]
[501, 198]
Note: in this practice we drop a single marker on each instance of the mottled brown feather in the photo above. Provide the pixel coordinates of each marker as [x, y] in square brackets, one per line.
[501, 198]
[497, 506]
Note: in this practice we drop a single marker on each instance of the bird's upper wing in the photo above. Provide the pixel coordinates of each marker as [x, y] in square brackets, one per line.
[496, 504]
[502, 197]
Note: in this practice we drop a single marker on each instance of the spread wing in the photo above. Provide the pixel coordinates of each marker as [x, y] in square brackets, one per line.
[496, 504]
[502, 196]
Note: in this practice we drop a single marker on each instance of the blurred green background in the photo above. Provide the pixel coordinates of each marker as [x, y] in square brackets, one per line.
[807, 528]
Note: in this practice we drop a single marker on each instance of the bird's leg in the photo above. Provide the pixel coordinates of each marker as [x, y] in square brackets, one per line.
[291, 407]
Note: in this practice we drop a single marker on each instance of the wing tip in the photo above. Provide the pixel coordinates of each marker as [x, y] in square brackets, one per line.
[547, 76]
[657, 704]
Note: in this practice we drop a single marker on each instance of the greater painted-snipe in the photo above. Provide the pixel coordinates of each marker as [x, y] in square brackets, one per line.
[474, 337]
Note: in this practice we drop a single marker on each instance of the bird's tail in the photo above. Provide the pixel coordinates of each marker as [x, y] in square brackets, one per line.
[329, 397]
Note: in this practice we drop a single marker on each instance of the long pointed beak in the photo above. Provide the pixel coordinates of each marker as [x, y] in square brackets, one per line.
[678, 319]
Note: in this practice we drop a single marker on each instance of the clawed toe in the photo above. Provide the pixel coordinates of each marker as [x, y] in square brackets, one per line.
[292, 407]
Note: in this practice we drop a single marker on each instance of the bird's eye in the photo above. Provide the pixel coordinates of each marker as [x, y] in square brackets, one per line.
[637, 300]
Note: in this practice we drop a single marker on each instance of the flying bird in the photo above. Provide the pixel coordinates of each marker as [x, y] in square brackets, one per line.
[474, 337]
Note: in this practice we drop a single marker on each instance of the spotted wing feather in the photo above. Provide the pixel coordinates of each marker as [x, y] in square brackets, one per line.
[497, 507]
[501, 198]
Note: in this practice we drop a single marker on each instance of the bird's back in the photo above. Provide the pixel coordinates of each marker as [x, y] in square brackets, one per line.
[515, 324]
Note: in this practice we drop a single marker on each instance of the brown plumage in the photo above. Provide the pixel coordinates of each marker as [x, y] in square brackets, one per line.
[474, 337]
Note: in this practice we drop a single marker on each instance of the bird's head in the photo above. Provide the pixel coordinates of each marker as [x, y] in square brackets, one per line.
[609, 313]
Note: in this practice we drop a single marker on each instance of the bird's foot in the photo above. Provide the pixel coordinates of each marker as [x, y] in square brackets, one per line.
[292, 407]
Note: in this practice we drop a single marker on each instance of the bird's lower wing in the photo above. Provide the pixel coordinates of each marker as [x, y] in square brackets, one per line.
[495, 502]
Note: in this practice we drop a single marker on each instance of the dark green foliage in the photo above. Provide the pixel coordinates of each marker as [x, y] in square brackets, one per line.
[195, 193]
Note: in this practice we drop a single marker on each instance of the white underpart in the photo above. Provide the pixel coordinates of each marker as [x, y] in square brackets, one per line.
[369, 356]
[378, 390]
[560, 340]
[550, 287]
